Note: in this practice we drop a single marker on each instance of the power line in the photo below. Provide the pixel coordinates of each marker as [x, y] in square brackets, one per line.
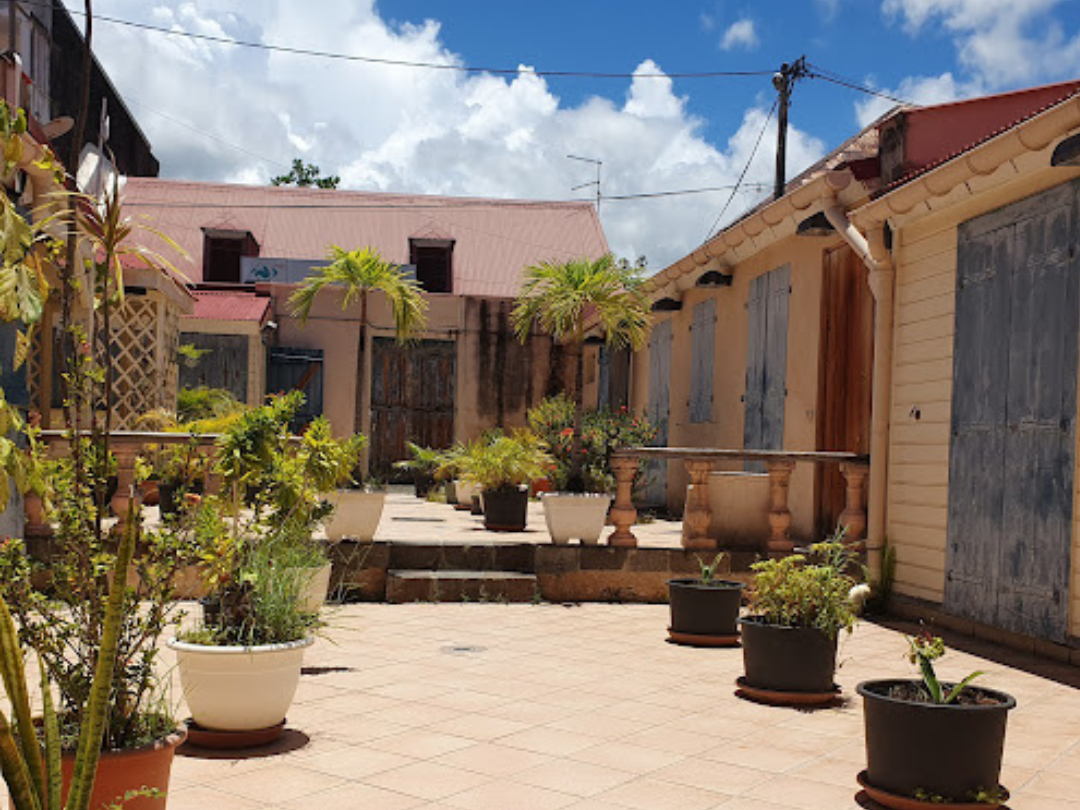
[820, 73]
[374, 60]
[742, 174]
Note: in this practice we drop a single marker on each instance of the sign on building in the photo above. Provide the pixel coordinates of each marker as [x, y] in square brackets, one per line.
[254, 269]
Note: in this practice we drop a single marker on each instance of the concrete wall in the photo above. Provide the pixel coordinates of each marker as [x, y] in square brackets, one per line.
[925, 254]
[725, 430]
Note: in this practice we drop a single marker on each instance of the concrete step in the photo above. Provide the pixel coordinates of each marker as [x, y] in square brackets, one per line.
[404, 585]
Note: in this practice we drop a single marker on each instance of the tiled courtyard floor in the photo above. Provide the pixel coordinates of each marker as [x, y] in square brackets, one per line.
[521, 707]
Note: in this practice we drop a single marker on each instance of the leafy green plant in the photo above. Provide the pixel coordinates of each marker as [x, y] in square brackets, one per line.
[925, 649]
[560, 297]
[507, 462]
[708, 570]
[422, 460]
[201, 402]
[793, 592]
[603, 432]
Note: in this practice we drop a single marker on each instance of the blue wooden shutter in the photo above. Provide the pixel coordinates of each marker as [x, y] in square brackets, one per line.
[757, 331]
[297, 370]
[659, 408]
[702, 340]
[775, 382]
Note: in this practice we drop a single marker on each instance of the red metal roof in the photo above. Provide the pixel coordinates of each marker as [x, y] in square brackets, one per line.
[227, 305]
[493, 239]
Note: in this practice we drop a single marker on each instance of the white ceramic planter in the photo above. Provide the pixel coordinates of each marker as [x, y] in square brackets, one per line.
[356, 515]
[573, 516]
[239, 688]
[316, 587]
[465, 492]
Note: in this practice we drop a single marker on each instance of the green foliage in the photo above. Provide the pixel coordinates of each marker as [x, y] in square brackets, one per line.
[881, 588]
[708, 570]
[189, 355]
[359, 272]
[327, 463]
[603, 432]
[194, 404]
[305, 175]
[424, 460]
[505, 462]
[792, 592]
[925, 649]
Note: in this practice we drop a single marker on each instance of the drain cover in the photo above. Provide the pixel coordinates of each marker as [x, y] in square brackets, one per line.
[463, 649]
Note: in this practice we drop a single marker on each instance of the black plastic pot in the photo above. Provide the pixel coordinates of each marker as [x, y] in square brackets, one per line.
[705, 609]
[952, 751]
[477, 507]
[787, 659]
[505, 510]
[424, 483]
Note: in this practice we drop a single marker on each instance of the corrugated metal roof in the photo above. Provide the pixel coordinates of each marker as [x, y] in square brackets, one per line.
[222, 305]
[493, 239]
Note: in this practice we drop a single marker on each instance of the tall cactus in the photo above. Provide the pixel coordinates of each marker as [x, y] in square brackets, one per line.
[34, 784]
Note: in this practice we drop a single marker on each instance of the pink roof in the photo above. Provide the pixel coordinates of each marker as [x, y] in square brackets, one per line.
[494, 239]
[221, 305]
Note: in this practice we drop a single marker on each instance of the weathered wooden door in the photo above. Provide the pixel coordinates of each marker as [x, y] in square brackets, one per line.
[846, 373]
[297, 370]
[658, 410]
[1013, 420]
[766, 361]
[412, 399]
[613, 379]
[702, 343]
[225, 364]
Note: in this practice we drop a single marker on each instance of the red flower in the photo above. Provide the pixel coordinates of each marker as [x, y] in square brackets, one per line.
[568, 432]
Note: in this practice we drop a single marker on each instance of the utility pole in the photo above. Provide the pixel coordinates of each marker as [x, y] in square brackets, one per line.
[784, 80]
[596, 182]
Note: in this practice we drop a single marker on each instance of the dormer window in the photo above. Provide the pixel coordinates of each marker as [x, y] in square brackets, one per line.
[433, 259]
[222, 251]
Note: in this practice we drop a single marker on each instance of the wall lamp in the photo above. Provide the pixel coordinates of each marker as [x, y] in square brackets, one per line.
[667, 305]
[816, 225]
[1067, 153]
[594, 340]
[713, 279]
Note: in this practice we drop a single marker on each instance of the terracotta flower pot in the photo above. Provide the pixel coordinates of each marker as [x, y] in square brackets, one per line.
[951, 751]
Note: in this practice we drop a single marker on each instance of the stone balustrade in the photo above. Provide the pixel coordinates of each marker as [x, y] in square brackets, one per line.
[697, 514]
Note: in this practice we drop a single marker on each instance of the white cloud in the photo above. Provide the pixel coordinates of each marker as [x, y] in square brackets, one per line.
[707, 21]
[1001, 42]
[829, 8]
[741, 34]
[385, 128]
[921, 90]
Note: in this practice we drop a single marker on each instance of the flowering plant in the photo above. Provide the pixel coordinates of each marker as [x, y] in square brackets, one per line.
[603, 432]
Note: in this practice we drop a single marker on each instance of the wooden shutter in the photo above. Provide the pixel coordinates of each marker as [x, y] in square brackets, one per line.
[298, 370]
[603, 382]
[766, 362]
[757, 331]
[659, 408]
[702, 341]
[1012, 454]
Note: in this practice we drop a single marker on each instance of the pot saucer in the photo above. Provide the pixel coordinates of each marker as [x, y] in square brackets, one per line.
[230, 740]
[697, 640]
[895, 801]
[777, 698]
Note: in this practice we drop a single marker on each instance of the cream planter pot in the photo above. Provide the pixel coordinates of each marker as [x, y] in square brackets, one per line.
[239, 688]
[571, 516]
[316, 587]
[465, 492]
[356, 515]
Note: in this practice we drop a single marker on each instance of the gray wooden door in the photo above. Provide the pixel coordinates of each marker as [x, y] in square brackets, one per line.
[1013, 421]
[225, 364]
[766, 361]
[658, 410]
[702, 341]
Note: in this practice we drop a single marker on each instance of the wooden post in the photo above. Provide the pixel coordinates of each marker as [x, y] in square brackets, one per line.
[622, 513]
[779, 542]
[853, 518]
[697, 515]
[127, 493]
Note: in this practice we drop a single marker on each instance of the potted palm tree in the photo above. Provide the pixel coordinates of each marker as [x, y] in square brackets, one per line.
[422, 463]
[503, 469]
[930, 743]
[358, 273]
[559, 298]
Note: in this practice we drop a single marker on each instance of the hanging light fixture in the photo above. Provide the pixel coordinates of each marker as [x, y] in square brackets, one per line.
[713, 279]
[667, 305]
[1067, 153]
[816, 225]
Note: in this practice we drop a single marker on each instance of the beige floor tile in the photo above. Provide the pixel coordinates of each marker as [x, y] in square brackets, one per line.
[624, 756]
[282, 783]
[645, 793]
[493, 759]
[351, 797]
[201, 798]
[671, 739]
[427, 780]
[1055, 785]
[356, 762]
[806, 794]
[479, 726]
[710, 775]
[549, 741]
[505, 795]
[422, 743]
[574, 777]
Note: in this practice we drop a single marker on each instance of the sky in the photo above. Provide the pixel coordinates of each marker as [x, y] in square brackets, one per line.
[233, 114]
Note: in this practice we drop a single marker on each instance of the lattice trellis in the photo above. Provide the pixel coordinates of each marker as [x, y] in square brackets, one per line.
[33, 370]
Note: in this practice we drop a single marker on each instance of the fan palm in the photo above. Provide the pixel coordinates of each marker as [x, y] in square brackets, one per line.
[560, 297]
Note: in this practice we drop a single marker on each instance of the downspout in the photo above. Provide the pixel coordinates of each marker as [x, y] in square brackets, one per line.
[882, 280]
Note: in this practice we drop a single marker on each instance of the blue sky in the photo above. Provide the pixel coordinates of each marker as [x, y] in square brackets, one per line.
[219, 112]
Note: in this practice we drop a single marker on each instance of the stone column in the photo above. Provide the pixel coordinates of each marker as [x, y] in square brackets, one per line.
[697, 515]
[779, 515]
[853, 518]
[127, 494]
[622, 513]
